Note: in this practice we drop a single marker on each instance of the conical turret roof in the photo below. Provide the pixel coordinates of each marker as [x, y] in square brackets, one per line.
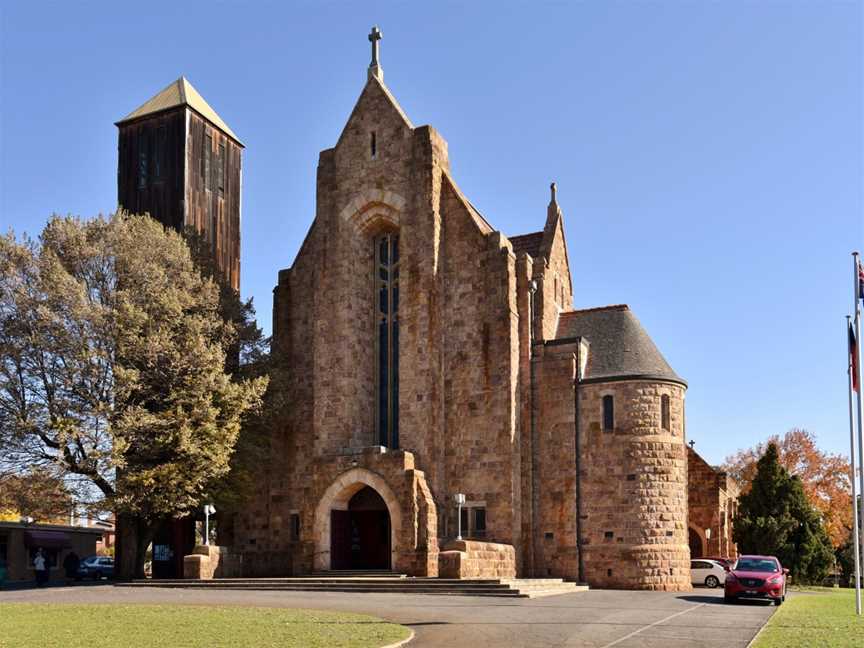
[619, 346]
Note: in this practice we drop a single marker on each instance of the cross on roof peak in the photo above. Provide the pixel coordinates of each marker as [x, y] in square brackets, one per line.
[375, 67]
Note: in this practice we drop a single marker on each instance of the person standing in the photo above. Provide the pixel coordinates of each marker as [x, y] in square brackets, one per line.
[41, 567]
[70, 565]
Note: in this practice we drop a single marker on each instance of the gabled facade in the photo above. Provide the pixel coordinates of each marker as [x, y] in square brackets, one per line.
[428, 355]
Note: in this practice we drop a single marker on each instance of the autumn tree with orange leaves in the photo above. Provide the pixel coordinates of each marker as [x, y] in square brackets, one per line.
[824, 476]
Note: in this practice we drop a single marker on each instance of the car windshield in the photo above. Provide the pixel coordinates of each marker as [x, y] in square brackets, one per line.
[757, 565]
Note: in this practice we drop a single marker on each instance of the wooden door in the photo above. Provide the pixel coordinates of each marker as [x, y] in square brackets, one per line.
[373, 540]
[340, 540]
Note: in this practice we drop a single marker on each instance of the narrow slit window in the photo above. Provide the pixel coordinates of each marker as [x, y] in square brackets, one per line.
[665, 418]
[223, 161]
[208, 158]
[608, 413]
[373, 145]
[142, 160]
[159, 155]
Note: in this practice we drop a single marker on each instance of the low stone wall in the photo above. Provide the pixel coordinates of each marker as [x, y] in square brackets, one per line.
[473, 559]
[209, 561]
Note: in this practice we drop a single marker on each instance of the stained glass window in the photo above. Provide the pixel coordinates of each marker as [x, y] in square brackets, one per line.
[387, 315]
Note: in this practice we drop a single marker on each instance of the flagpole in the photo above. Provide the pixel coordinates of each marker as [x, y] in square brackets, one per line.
[856, 296]
[855, 544]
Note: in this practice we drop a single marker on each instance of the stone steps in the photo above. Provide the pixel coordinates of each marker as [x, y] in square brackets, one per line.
[390, 584]
[358, 573]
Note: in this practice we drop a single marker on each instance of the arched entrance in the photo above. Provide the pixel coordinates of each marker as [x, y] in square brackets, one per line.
[360, 535]
[357, 522]
[696, 543]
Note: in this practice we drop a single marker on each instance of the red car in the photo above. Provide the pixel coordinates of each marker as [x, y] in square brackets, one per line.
[756, 577]
[726, 562]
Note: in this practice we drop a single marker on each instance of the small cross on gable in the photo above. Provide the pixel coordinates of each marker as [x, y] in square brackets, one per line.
[374, 36]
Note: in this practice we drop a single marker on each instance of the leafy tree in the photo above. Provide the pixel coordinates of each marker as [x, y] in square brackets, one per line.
[37, 494]
[113, 367]
[825, 477]
[776, 518]
[845, 557]
[251, 349]
[248, 358]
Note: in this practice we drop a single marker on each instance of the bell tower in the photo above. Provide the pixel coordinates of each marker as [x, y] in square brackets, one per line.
[180, 162]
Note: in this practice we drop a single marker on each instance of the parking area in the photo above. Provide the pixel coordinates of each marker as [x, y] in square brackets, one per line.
[598, 618]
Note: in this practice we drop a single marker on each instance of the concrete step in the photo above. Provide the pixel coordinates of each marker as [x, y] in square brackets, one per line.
[369, 582]
[518, 587]
[453, 590]
[313, 585]
[356, 573]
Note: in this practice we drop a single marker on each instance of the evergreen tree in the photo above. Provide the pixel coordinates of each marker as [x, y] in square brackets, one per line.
[113, 368]
[248, 358]
[775, 518]
[845, 557]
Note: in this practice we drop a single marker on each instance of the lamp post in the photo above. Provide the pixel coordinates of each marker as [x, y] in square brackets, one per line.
[209, 510]
[459, 498]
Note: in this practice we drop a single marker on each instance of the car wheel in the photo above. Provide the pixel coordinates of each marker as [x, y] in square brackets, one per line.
[97, 576]
[778, 602]
[712, 582]
[728, 599]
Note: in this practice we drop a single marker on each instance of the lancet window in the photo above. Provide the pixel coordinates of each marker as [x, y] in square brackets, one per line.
[387, 318]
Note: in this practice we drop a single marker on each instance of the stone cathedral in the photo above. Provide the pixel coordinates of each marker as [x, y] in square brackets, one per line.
[448, 412]
[430, 355]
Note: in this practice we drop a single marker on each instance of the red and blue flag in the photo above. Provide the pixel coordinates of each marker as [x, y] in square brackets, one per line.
[860, 281]
[853, 357]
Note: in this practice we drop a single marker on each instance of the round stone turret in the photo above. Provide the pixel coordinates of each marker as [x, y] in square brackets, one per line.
[634, 460]
[635, 486]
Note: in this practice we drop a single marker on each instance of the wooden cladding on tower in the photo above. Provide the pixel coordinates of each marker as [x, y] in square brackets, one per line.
[182, 170]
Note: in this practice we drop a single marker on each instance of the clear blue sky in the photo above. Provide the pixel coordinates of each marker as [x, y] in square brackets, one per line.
[708, 155]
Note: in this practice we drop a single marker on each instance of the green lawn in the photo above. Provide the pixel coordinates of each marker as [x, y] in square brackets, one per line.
[815, 617]
[179, 626]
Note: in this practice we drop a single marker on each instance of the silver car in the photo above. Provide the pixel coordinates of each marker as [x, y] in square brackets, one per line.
[96, 567]
[707, 572]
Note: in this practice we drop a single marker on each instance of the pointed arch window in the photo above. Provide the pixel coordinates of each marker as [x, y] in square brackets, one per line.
[387, 318]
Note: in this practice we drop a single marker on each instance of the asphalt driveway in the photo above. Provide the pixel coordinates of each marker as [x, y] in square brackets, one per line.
[597, 618]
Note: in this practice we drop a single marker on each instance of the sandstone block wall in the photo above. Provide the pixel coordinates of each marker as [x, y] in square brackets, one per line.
[459, 354]
[413, 515]
[471, 421]
[712, 504]
[210, 561]
[633, 480]
[480, 372]
[635, 488]
[471, 559]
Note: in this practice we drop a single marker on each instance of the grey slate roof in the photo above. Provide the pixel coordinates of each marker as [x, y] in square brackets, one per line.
[529, 243]
[619, 346]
